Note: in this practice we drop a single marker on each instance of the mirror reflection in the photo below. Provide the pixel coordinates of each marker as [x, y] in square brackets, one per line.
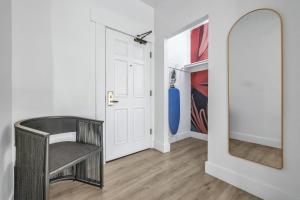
[255, 88]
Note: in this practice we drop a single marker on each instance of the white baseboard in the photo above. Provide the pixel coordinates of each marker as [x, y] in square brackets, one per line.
[200, 136]
[255, 139]
[11, 196]
[246, 183]
[188, 134]
[178, 137]
[164, 148]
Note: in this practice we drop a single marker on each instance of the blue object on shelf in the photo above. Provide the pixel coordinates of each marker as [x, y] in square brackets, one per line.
[174, 109]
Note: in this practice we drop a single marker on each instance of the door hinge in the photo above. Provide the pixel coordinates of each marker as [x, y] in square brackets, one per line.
[150, 93]
[150, 54]
[150, 131]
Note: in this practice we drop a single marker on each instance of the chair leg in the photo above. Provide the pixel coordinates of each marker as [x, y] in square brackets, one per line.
[46, 189]
[101, 169]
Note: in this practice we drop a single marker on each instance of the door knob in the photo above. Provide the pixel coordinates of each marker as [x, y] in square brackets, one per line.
[111, 98]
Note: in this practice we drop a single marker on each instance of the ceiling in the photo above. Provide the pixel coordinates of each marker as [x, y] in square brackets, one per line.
[152, 3]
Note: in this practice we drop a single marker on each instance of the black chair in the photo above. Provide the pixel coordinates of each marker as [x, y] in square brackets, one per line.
[39, 163]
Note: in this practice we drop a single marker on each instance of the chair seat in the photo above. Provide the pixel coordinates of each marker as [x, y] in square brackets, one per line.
[63, 153]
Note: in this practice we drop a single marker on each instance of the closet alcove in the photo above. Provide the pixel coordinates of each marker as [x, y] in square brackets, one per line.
[187, 62]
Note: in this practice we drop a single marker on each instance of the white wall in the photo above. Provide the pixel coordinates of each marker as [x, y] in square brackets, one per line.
[255, 79]
[74, 75]
[32, 59]
[179, 48]
[260, 180]
[6, 164]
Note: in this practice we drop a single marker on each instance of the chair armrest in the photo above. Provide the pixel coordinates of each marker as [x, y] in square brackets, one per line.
[31, 167]
[89, 131]
[30, 130]
[90, 120]
[91, 170]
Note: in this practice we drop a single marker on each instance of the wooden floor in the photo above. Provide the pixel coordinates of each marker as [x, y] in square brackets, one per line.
[151, 175]
[257, 153]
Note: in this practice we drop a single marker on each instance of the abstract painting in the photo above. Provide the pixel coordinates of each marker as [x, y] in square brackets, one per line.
[199, 43]
[199, 83]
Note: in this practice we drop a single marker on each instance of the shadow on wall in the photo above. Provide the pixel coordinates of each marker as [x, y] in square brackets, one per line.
[6, 168]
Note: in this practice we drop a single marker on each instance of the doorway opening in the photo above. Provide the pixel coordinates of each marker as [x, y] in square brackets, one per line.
[186, 62]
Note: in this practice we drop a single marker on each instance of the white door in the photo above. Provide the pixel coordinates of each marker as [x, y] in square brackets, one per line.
[127, 95]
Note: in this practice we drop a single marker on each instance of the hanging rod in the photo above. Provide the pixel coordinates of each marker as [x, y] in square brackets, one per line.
[182, 70]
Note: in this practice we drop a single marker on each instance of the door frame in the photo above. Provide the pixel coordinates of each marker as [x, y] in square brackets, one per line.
[98, 47]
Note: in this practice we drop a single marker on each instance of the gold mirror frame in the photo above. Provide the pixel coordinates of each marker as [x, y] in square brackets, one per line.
[281, 85]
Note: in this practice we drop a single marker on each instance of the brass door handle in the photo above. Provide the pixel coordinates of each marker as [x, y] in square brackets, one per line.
[111, 99]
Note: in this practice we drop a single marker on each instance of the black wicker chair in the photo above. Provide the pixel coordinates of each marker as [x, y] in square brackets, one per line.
[39, 163]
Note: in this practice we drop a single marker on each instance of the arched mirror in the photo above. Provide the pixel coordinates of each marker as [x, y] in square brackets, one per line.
[255, 88]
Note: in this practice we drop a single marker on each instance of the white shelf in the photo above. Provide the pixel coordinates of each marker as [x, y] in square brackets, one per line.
[196, 64]
[194, 67]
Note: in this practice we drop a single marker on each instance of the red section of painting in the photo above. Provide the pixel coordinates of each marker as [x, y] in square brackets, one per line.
[199, 43]
[199, 81]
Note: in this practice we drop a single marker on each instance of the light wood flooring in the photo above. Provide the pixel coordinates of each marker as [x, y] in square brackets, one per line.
[257, 153]
[151, 175]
